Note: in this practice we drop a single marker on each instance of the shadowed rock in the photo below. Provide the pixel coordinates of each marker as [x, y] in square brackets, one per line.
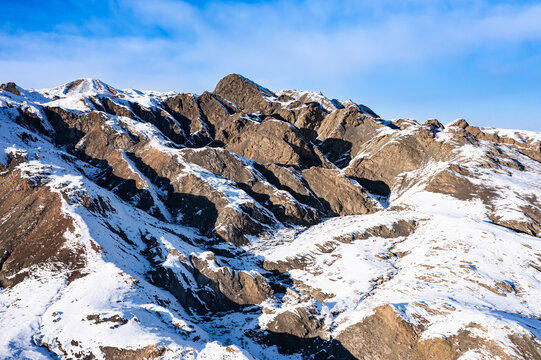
[11, 87]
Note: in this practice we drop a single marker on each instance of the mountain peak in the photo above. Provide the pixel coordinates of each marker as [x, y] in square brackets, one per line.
[242, 81]
[247, 94]
[11, 87]
[83, 86]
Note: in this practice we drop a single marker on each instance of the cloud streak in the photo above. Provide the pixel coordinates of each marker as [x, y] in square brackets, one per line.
[176, 45]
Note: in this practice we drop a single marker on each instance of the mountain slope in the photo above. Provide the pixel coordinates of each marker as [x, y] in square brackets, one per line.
[246, 223]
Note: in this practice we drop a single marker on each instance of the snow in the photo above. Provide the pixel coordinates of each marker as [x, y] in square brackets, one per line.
[305, 97]
[310, 96]
[521, 136]
[435, 271]
[21, 308]
[75, 96]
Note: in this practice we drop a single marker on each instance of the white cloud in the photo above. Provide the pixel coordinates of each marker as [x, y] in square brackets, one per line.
[271, 41]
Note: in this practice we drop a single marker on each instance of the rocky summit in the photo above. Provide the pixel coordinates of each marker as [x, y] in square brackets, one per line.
[245, 223]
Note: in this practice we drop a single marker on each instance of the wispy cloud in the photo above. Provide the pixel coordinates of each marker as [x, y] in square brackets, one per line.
[168, 44]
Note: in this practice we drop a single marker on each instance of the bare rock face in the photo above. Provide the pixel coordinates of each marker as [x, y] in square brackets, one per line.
[300, 323]
[531, 227]
[385, 335]
[383, 158]
[247, 95]
[33, 219]
[524, 146]
[229, 166]
[275, 142]
[184, 108]
[400, 228]
[344, 132]
[239, 287]
[338, 193]
[454, 182]
[148, 352]
[387, 163]
[223, 121]
[11, 87]
[309, 119]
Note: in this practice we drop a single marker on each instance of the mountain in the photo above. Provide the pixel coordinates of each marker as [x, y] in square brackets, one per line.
[245, 223]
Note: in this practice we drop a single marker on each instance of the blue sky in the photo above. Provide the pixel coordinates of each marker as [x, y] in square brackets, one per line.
[480, 60]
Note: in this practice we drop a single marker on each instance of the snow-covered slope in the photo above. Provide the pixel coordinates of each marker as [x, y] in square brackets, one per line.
[246, 223]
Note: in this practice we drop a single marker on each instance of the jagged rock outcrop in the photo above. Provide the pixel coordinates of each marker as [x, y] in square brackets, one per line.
[299, 322]
[385, 335]
[275, 142]
[340, 195]
[239, 287]
[11, 87]
[398, 339]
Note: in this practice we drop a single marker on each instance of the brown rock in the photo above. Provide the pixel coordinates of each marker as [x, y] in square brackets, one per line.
[275, 142]
[460, 123]
[300, 323]
[11, 87]
[238, 287]
[185, 109]
[229, 166]
[247, 95]
[337, 192]
[220, 122]
[147, 352]
[433, 124]
[450, 182]
[32, 232]
[344, 132]
[384, 335]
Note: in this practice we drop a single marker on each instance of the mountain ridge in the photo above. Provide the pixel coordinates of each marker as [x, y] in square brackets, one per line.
[246, 223]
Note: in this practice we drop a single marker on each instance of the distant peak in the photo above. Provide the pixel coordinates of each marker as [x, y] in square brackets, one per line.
[89, 84]
[247, 94]
[316, 97]
[83, 86]
[240, 81]
[11, 87]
